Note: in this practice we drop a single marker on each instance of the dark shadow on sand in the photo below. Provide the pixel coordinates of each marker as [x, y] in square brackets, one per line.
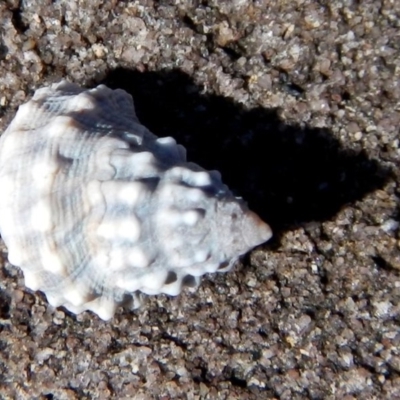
[288, 175]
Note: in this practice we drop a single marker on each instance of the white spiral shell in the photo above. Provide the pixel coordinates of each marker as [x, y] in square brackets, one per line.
[95, 209]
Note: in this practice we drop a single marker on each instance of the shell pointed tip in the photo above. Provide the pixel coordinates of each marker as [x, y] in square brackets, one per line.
[261, 231]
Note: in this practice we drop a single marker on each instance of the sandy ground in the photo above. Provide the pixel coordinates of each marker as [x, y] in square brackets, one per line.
[297, 104]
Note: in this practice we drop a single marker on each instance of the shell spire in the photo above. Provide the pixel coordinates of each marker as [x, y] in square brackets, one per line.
[97, 210]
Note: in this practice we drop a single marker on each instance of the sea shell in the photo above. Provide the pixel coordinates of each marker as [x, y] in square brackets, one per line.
[96, 210]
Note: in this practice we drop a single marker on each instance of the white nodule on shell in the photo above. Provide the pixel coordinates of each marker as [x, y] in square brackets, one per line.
[117, 259]
[95, 209]
[24, 114]
[54, 299]
[41, 217]
[153, 281]
[144, 159]
[75, 295]
[170, 148]
[43, 175]
[193, 178]
[130, 194]
[15, 257]
[192, 217]
[137, 258]
[93, 193]
[84, 102]
[195, 195]
[215, 174]
[124, 229]
[104, 307]
[51, 261]
[201, 255]
[174, 218]
[173, 289]
[201, 179]
[101, 260]
[32, 280]
[167, 141]
[130, 284]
